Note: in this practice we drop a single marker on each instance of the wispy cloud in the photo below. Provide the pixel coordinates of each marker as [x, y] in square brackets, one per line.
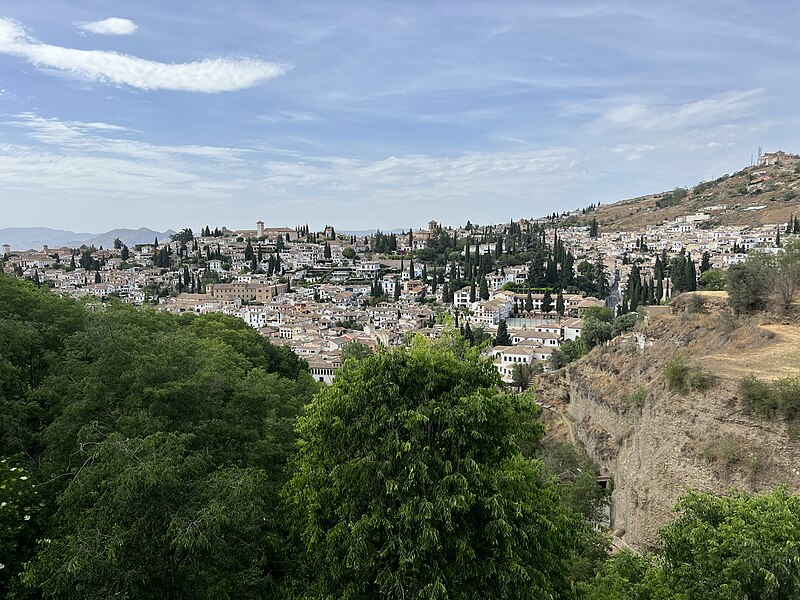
[110, 26]
[98, 161]
[208, 76]
[290, 116]
[713, 109]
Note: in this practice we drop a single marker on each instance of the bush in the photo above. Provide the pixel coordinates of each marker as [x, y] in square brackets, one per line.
[757, 396]
[725, 451]
[769, 399]
[677, 372]
[637, 397]
[683, 377]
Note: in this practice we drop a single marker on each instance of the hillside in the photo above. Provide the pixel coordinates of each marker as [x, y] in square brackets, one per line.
[653, 441]
[767, 193]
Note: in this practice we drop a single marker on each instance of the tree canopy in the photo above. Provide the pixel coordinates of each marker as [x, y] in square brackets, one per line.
[409, 483]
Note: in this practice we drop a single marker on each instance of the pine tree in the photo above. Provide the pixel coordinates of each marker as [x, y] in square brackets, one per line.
[472, 294]
[326, 252]
[396, 290]
[529, 302]
[484, 289]
[97, 278]
[593, 229]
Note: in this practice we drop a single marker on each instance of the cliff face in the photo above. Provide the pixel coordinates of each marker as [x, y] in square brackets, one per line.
[655, 443]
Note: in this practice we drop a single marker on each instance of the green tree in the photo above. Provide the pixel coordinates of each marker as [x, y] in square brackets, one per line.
[399, 493]
[484, 289]
[560, 304]
[593, 228]
[748, 285]
[731, 547]
[521, 375]
[355, 350]
[785, 275]
[734, 546]
[601, 313]
[547, 302]
[713, 280]
[20, 523]
[596, 332]
[502, 338]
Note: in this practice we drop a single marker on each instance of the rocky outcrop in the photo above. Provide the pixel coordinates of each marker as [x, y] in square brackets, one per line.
[656, 443]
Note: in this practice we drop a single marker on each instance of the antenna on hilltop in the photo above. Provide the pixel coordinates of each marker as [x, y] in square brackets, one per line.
[759, 155]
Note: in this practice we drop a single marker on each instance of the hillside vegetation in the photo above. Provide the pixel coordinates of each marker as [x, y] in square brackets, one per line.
[152, 456]
[730, 200]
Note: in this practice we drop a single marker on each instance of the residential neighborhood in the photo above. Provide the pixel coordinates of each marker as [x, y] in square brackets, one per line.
[317, 292]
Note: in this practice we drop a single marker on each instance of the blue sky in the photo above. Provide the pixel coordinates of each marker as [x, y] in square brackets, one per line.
[379, 114]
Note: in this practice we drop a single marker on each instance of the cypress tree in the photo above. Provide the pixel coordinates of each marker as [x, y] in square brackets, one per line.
[560, 304]
[484, 289]
[502, 339]
[547, 302]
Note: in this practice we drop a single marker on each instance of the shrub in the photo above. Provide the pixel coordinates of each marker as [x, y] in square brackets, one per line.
[725, 451]
[683, 377]
[637, 397]
[700, 380]
[757, 396]
[768, 399]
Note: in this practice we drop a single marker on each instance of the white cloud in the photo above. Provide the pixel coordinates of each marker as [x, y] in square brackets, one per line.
[290, 116]
[110, 26]
[706, 111]
[209, 76]
[95, 161]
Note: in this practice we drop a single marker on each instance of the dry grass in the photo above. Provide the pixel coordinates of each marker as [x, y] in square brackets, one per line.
[773, 352]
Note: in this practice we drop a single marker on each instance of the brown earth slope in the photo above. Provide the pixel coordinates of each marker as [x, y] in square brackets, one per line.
[655, 442]
[730, 200]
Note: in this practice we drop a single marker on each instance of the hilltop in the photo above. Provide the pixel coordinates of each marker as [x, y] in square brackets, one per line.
[756, 195]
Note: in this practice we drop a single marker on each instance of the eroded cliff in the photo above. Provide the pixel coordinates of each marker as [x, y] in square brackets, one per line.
[655, 442]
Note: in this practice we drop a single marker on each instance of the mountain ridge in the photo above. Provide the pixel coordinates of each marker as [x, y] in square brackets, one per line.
[29, 238]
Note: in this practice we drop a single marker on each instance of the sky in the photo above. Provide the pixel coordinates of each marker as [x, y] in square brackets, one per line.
[379, 114]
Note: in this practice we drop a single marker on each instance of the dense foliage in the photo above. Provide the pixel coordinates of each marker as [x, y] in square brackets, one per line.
[146, 455]
[765, 280]
[733, 547]
[410, 483]
[158, 445]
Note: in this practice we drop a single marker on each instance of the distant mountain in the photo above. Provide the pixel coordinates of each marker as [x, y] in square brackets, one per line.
[129, 237]
[26, 238]
[768, 193]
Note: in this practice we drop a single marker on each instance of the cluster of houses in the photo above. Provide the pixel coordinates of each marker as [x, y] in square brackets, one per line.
[319, 297]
